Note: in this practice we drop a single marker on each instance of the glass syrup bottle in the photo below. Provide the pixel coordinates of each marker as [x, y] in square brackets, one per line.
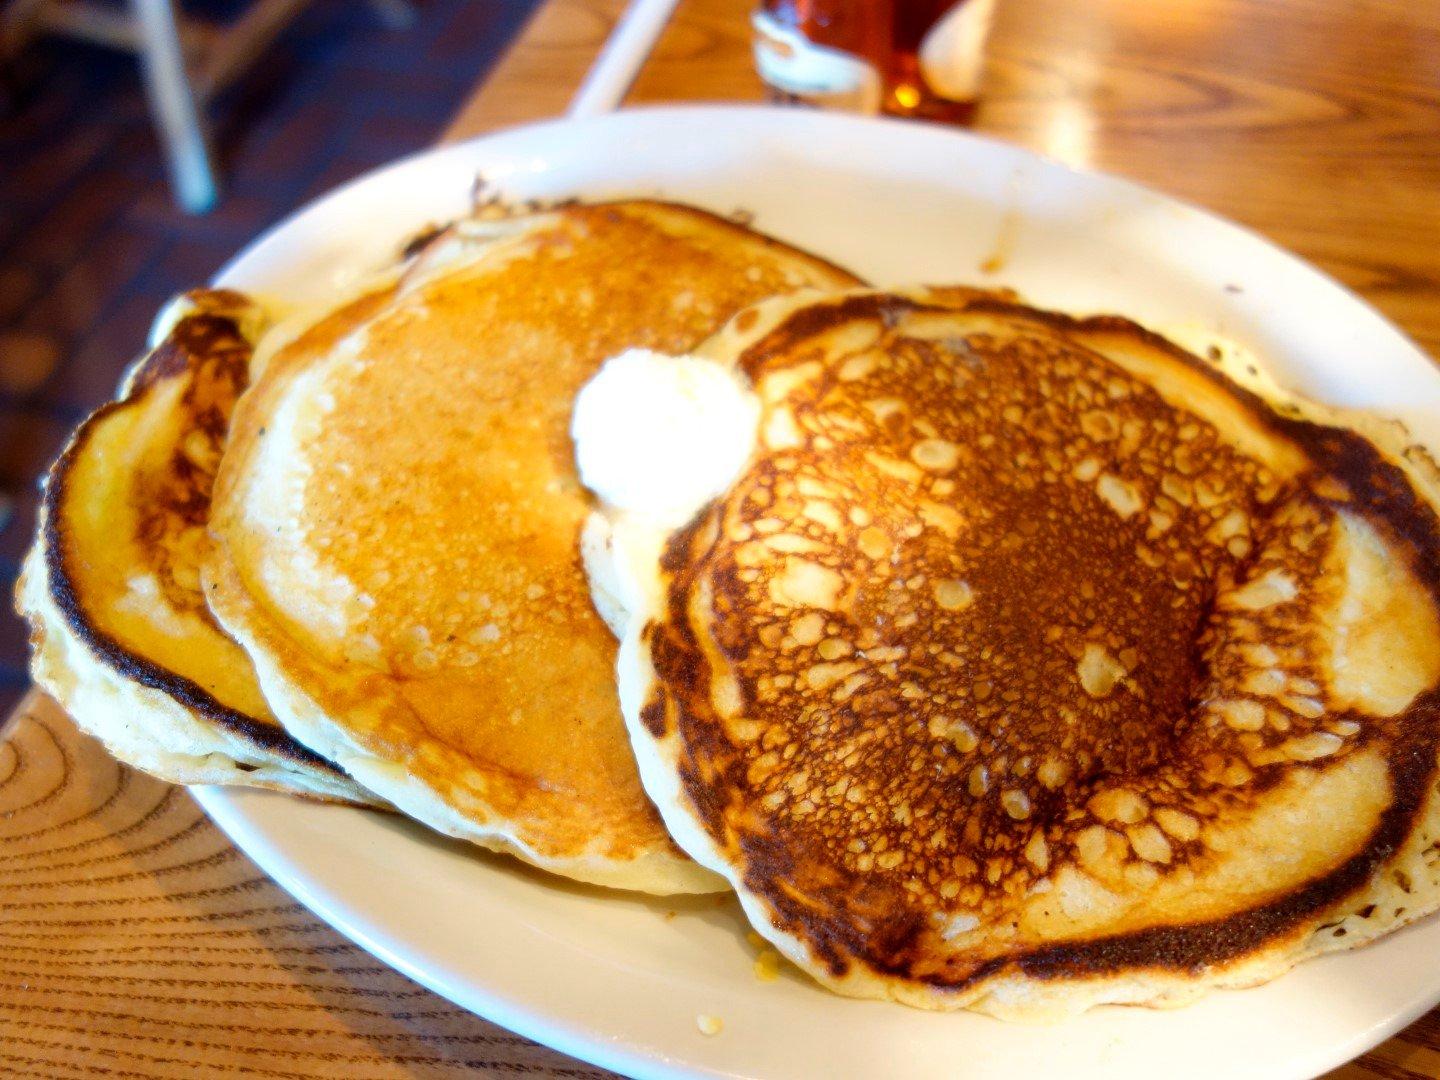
[919, 58]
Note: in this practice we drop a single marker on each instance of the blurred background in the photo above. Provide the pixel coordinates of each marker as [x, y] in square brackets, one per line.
[92, 241]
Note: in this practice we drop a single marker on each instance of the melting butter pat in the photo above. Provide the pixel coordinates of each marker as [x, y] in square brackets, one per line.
[660, 436]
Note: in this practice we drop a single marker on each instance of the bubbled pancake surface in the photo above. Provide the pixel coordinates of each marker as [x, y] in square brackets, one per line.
[123, 638]
[1033, 665]
[397, 519]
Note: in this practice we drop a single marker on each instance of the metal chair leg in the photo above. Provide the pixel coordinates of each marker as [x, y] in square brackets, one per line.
[173, 106]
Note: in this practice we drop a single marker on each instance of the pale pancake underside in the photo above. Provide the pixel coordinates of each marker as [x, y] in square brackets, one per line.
[121, 635]
[397, 514]
[901, 824]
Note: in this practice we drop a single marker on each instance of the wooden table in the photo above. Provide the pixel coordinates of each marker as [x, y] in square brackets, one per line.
[135, 941]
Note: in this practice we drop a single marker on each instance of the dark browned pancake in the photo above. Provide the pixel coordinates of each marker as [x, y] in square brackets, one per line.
[1032, 664]
[122, 635]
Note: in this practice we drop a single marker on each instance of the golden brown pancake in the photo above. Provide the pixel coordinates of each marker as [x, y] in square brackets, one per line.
[397, 514]
[1033, 664]
[122, 636]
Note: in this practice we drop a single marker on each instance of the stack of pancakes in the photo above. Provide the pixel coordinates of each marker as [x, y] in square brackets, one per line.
[1024, 663]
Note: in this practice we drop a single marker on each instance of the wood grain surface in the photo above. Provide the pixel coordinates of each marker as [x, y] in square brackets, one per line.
[542, 70]
[135, 941]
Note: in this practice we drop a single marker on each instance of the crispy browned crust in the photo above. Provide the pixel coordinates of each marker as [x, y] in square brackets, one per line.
[214, 342]
[892, 944]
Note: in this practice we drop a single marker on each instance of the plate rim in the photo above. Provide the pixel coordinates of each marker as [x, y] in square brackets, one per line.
[763, 113]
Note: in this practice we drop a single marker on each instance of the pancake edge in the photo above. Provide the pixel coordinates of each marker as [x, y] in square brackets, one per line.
[139, 724]
[657, 873]
[101, 682]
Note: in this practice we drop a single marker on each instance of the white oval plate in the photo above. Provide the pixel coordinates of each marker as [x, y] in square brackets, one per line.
[613, 979]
